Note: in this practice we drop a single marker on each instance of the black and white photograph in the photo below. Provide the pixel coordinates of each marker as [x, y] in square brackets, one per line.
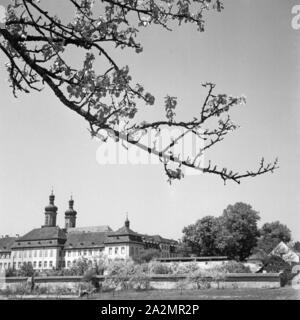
[149, 150]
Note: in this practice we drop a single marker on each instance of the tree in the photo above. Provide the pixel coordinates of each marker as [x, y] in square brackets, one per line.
[202, 236]
[37, 44]
[183, 249]
[81, 266]
[239, 230]
[233, 234]
[297, 246]
[147, 255]
[273, 233]
[26, 270]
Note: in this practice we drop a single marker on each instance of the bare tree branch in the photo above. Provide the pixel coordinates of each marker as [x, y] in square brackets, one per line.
[35, 41]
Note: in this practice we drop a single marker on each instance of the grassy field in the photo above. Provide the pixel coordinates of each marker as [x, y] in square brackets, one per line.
[286, 293]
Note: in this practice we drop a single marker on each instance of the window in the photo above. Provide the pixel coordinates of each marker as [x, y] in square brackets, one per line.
[29, 254]
[110, 251]
[74, 253]
[69, 264]
[69, 253]
[40, 264]
[50, 264]
[123, 250]
[90, 253]
[51, 253]
[46, 253]
[20, 254]
[41, 253]
[35, 253]
[116, 250]
[34, 264]
[45, 264]
[84, 252]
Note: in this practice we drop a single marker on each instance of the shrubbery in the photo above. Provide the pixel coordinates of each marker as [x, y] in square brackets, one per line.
[155, 267]
[147, 255]
[276, 264]
[234, 267]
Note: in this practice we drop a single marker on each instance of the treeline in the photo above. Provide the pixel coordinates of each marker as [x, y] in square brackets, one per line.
[234, 234]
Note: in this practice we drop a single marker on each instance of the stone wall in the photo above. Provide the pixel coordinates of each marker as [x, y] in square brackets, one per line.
[160, 282]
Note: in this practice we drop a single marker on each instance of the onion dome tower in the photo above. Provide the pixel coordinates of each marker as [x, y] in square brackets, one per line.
[50, 212]
[70, 215]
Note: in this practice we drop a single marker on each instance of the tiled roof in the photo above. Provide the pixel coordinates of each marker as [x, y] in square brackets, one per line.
[104, 228]
[125, 231]
[158, 238]
[45, 233]
[6, 243]
[127, 239]
[124, 235]
[85, 239]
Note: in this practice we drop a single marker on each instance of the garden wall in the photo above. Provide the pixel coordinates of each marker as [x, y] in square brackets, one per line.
[161, 282]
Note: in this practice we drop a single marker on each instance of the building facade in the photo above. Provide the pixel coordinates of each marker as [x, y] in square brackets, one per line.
[51, 247]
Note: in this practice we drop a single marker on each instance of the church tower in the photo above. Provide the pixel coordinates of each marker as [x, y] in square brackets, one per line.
[70, 215]
[50, 212]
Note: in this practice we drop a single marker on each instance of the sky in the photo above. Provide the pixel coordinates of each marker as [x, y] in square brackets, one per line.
[250, 48]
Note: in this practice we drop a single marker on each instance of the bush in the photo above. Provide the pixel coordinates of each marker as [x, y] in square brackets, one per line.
[120, 267]
[41, 290]
[125, 274]
[10, 272]
[184, 268]
[7, 291]
[139, 280]
[156, 267]
[21, 289]
[235, 267]
[26, 270]
[147, 255]
[278, 265]
[91, 277]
